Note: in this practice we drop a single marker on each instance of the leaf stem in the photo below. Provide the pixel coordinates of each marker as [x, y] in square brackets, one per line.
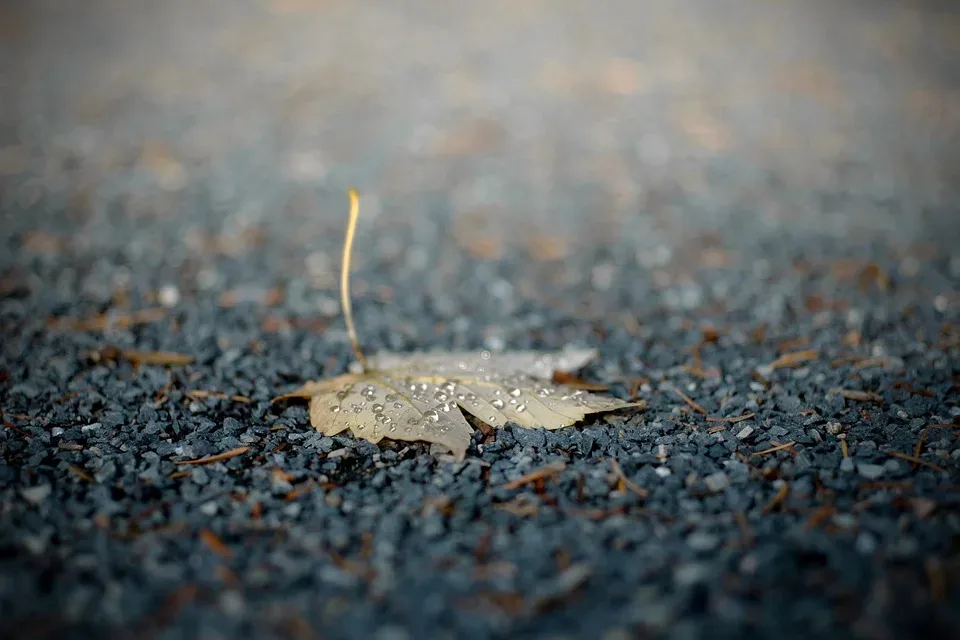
[345, 276]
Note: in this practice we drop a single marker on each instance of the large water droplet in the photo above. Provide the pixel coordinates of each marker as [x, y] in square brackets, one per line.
[521, 408]
[515, 392]
[397, 405]
[377, 408]
[498, 403]
[334, 408]
[431, 415]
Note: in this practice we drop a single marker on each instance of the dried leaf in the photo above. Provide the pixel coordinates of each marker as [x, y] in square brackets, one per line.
[420, 397]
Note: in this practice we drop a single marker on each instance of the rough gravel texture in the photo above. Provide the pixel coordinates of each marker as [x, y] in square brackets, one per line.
[750, 208]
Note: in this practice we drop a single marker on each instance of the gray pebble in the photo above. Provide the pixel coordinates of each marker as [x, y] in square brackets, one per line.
[717, 481]
[871, 471]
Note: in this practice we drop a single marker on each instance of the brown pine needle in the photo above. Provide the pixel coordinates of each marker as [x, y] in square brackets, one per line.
[915, 460]
[299, 490]
[733, 419]
[161, 358]
[888, 485]
[627, 482]
[15, 428]
[226, 455]
[80, 473]
[105, 321]
[745, 529]
[869, 363]
[216, 544]
[906, 386]
[693, 405]
[547, 471]
[937, 578]
[794, 359]
[777, 499]
[201, 394]
[918, 448]
[819, 516]
[858, 395]
[779, 447]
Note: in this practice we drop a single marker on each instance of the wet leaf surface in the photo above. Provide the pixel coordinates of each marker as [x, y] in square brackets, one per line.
[422, 396]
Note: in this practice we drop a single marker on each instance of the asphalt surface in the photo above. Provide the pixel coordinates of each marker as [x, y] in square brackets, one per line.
[749, 209]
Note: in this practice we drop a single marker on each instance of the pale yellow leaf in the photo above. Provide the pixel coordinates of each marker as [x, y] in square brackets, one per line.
[420, 396]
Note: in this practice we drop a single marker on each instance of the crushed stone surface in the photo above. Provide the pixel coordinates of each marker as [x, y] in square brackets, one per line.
[749, 209]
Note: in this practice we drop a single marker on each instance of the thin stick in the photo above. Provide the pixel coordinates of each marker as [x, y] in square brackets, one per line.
[689, 401]
[779, 447]
[345, 276]
[916, 460]
[627, 482]
[226, 455]
[537, 474]
[733, 419]
[777, 499]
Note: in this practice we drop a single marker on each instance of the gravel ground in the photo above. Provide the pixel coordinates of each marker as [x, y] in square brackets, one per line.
[749, 209]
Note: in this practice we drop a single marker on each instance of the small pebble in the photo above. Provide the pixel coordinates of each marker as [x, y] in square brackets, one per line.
[36, 495]
[717, 481]
[871, 471]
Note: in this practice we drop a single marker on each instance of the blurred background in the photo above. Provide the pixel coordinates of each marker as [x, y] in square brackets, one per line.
[168, 134]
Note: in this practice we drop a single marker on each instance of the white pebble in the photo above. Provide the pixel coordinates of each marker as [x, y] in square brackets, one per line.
[169, 296]
[36, 495]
